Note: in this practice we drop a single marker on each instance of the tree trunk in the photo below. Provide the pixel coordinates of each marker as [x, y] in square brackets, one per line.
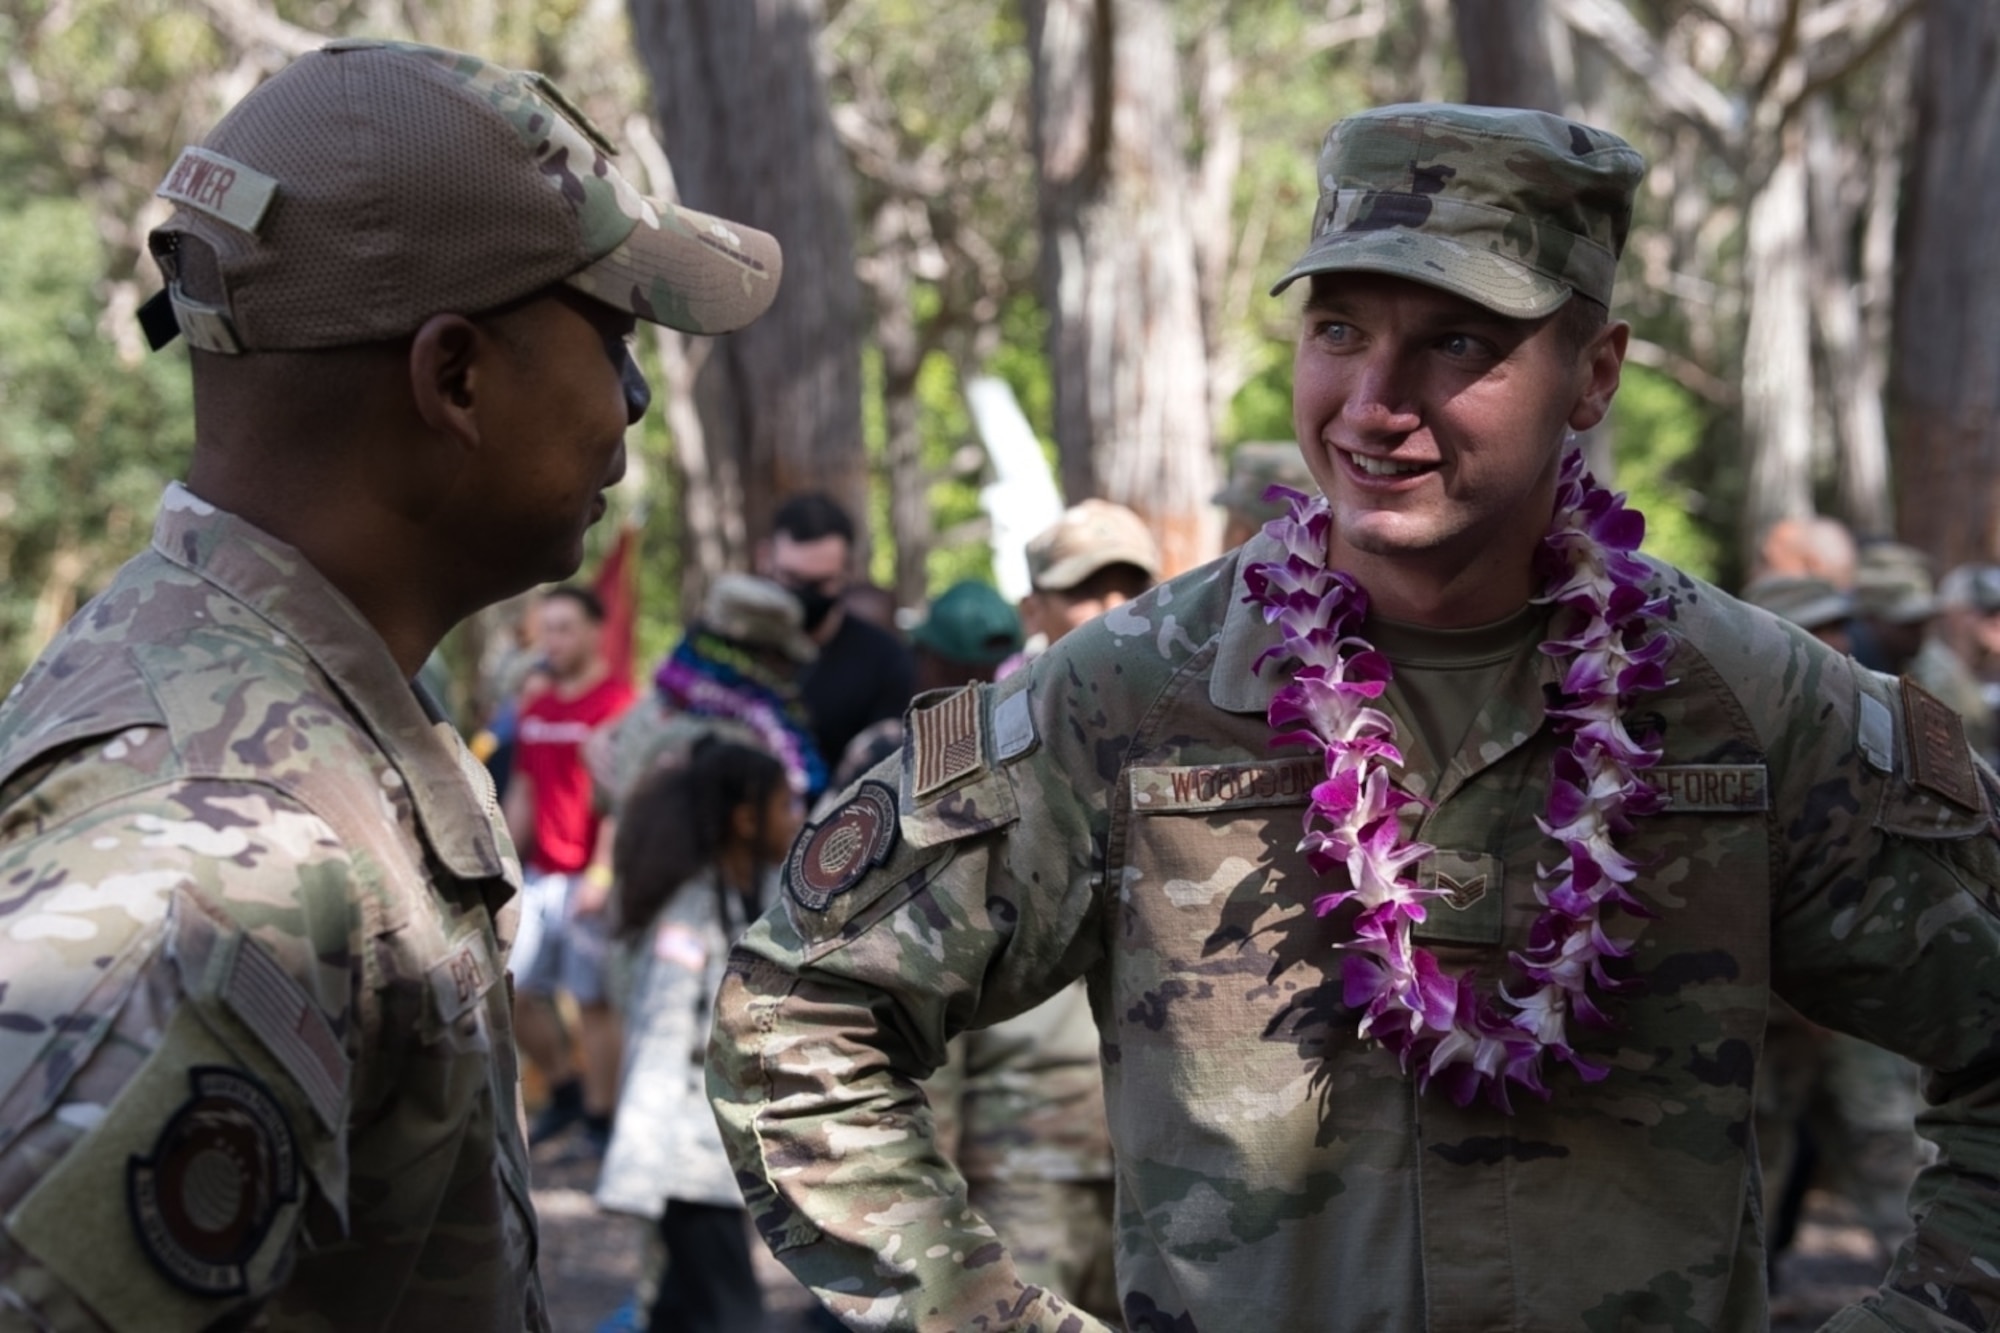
[1119, 274]
[1854, 367]
[902, 348]
[1944, 385]
[743, 114]
[1777, 351]
[1505, 47]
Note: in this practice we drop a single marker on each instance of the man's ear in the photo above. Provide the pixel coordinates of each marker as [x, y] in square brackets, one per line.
[445, 376]
[1603, 360]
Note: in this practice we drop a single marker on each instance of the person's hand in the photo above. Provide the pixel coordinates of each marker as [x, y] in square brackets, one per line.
[594, 892]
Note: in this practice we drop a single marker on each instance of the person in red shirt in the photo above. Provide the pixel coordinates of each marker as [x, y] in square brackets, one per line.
[556, 827]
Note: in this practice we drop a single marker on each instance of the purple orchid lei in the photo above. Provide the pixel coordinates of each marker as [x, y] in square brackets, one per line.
[1440, 1026]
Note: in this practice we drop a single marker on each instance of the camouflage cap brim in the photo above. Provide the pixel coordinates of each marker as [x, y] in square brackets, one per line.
[1487, 279]
[688, 271]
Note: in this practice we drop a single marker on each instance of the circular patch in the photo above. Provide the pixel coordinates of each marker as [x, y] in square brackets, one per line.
[222, 1167]
[831, 856]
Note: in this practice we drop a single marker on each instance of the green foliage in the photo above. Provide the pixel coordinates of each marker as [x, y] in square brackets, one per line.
[86, 442]
[1656, 445]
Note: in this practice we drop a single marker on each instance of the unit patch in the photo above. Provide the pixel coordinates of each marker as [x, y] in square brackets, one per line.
[1940, 757]
[222, 1167]
[945, 742]
[832, 855]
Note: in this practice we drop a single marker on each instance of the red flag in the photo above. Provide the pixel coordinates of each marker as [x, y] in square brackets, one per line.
[617, 586]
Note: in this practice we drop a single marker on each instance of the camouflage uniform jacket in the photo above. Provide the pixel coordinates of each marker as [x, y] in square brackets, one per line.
[256, 1054]
[1117, 813]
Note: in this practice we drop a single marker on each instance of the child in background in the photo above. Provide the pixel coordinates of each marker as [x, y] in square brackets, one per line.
[696, 860]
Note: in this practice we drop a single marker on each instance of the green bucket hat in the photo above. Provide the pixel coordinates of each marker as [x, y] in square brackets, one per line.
[1512, 210]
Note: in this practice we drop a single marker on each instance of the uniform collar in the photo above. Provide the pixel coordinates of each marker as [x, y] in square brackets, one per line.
[1235, 685]
[451, 791]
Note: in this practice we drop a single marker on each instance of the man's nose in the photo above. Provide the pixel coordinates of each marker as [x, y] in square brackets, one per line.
[1383, 399]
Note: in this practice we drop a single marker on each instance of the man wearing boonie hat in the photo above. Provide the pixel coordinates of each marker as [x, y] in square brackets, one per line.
[1432, 859]
[1254, 468]
[256, 1060]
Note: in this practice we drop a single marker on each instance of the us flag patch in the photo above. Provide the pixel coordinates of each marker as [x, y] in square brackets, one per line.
[945, 742]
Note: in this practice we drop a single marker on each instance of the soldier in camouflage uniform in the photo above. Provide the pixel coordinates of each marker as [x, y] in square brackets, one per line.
[1117, 813]
[256, 1065]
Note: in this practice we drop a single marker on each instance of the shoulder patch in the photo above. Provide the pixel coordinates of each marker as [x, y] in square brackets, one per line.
[1940, 756]
[832, 854]
[946, 742]
[1013, 728]
[1877, 734]
[223, 1165]
[275, 1007]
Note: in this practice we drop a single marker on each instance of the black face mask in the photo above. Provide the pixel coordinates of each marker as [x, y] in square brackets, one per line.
[817, 606]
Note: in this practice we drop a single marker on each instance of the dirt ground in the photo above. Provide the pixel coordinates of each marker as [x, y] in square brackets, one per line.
[591, 1259]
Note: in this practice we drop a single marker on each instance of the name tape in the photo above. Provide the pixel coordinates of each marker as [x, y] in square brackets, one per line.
[1224, 786]
[1712, 788]
[220, 187]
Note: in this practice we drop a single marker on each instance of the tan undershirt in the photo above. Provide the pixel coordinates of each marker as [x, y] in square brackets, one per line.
[1444, 676]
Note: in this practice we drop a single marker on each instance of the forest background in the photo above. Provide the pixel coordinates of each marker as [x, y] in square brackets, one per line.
[1085, 200]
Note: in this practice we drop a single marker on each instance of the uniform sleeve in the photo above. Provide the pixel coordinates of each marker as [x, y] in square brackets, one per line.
[954, 886]
[1888, 927]
[174, 1068]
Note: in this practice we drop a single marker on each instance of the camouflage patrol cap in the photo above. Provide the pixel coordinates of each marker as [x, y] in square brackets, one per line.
[1254, 468]
[757, 613]
[1090, 536]
[1892, 583]
[1513, 210]
[370, 185]
[1809, 603]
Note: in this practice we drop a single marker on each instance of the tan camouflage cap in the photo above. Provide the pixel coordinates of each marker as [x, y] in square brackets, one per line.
[1807, 602]
[757, 613]
[1513, 210]
[1088, 537]
[370, 185]
[1255, 467]
[1892, 583]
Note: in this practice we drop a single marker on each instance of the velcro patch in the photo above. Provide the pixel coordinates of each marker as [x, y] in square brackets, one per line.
[1192, 787]
[221, 1168]
[832, 855]
[220, 187]
[462, 977]
[273, 1005]
[1940, 756]
[946, 742]
[1712, 788]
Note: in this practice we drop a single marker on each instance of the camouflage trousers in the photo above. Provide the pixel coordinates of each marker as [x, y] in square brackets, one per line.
[1859, 1104]
[1060, 1235]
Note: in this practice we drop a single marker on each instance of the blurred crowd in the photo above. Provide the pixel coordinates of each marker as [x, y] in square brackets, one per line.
[1833, 1110]
[654, 823]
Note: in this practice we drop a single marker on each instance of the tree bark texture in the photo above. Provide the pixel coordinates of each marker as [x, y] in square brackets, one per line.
[1777, 347]
[1505, 47]
[1119, 270]
[743, 114]
[1944, 385]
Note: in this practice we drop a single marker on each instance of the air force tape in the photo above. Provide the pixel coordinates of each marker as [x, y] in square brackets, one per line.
[832, 855]
[223, 1166]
